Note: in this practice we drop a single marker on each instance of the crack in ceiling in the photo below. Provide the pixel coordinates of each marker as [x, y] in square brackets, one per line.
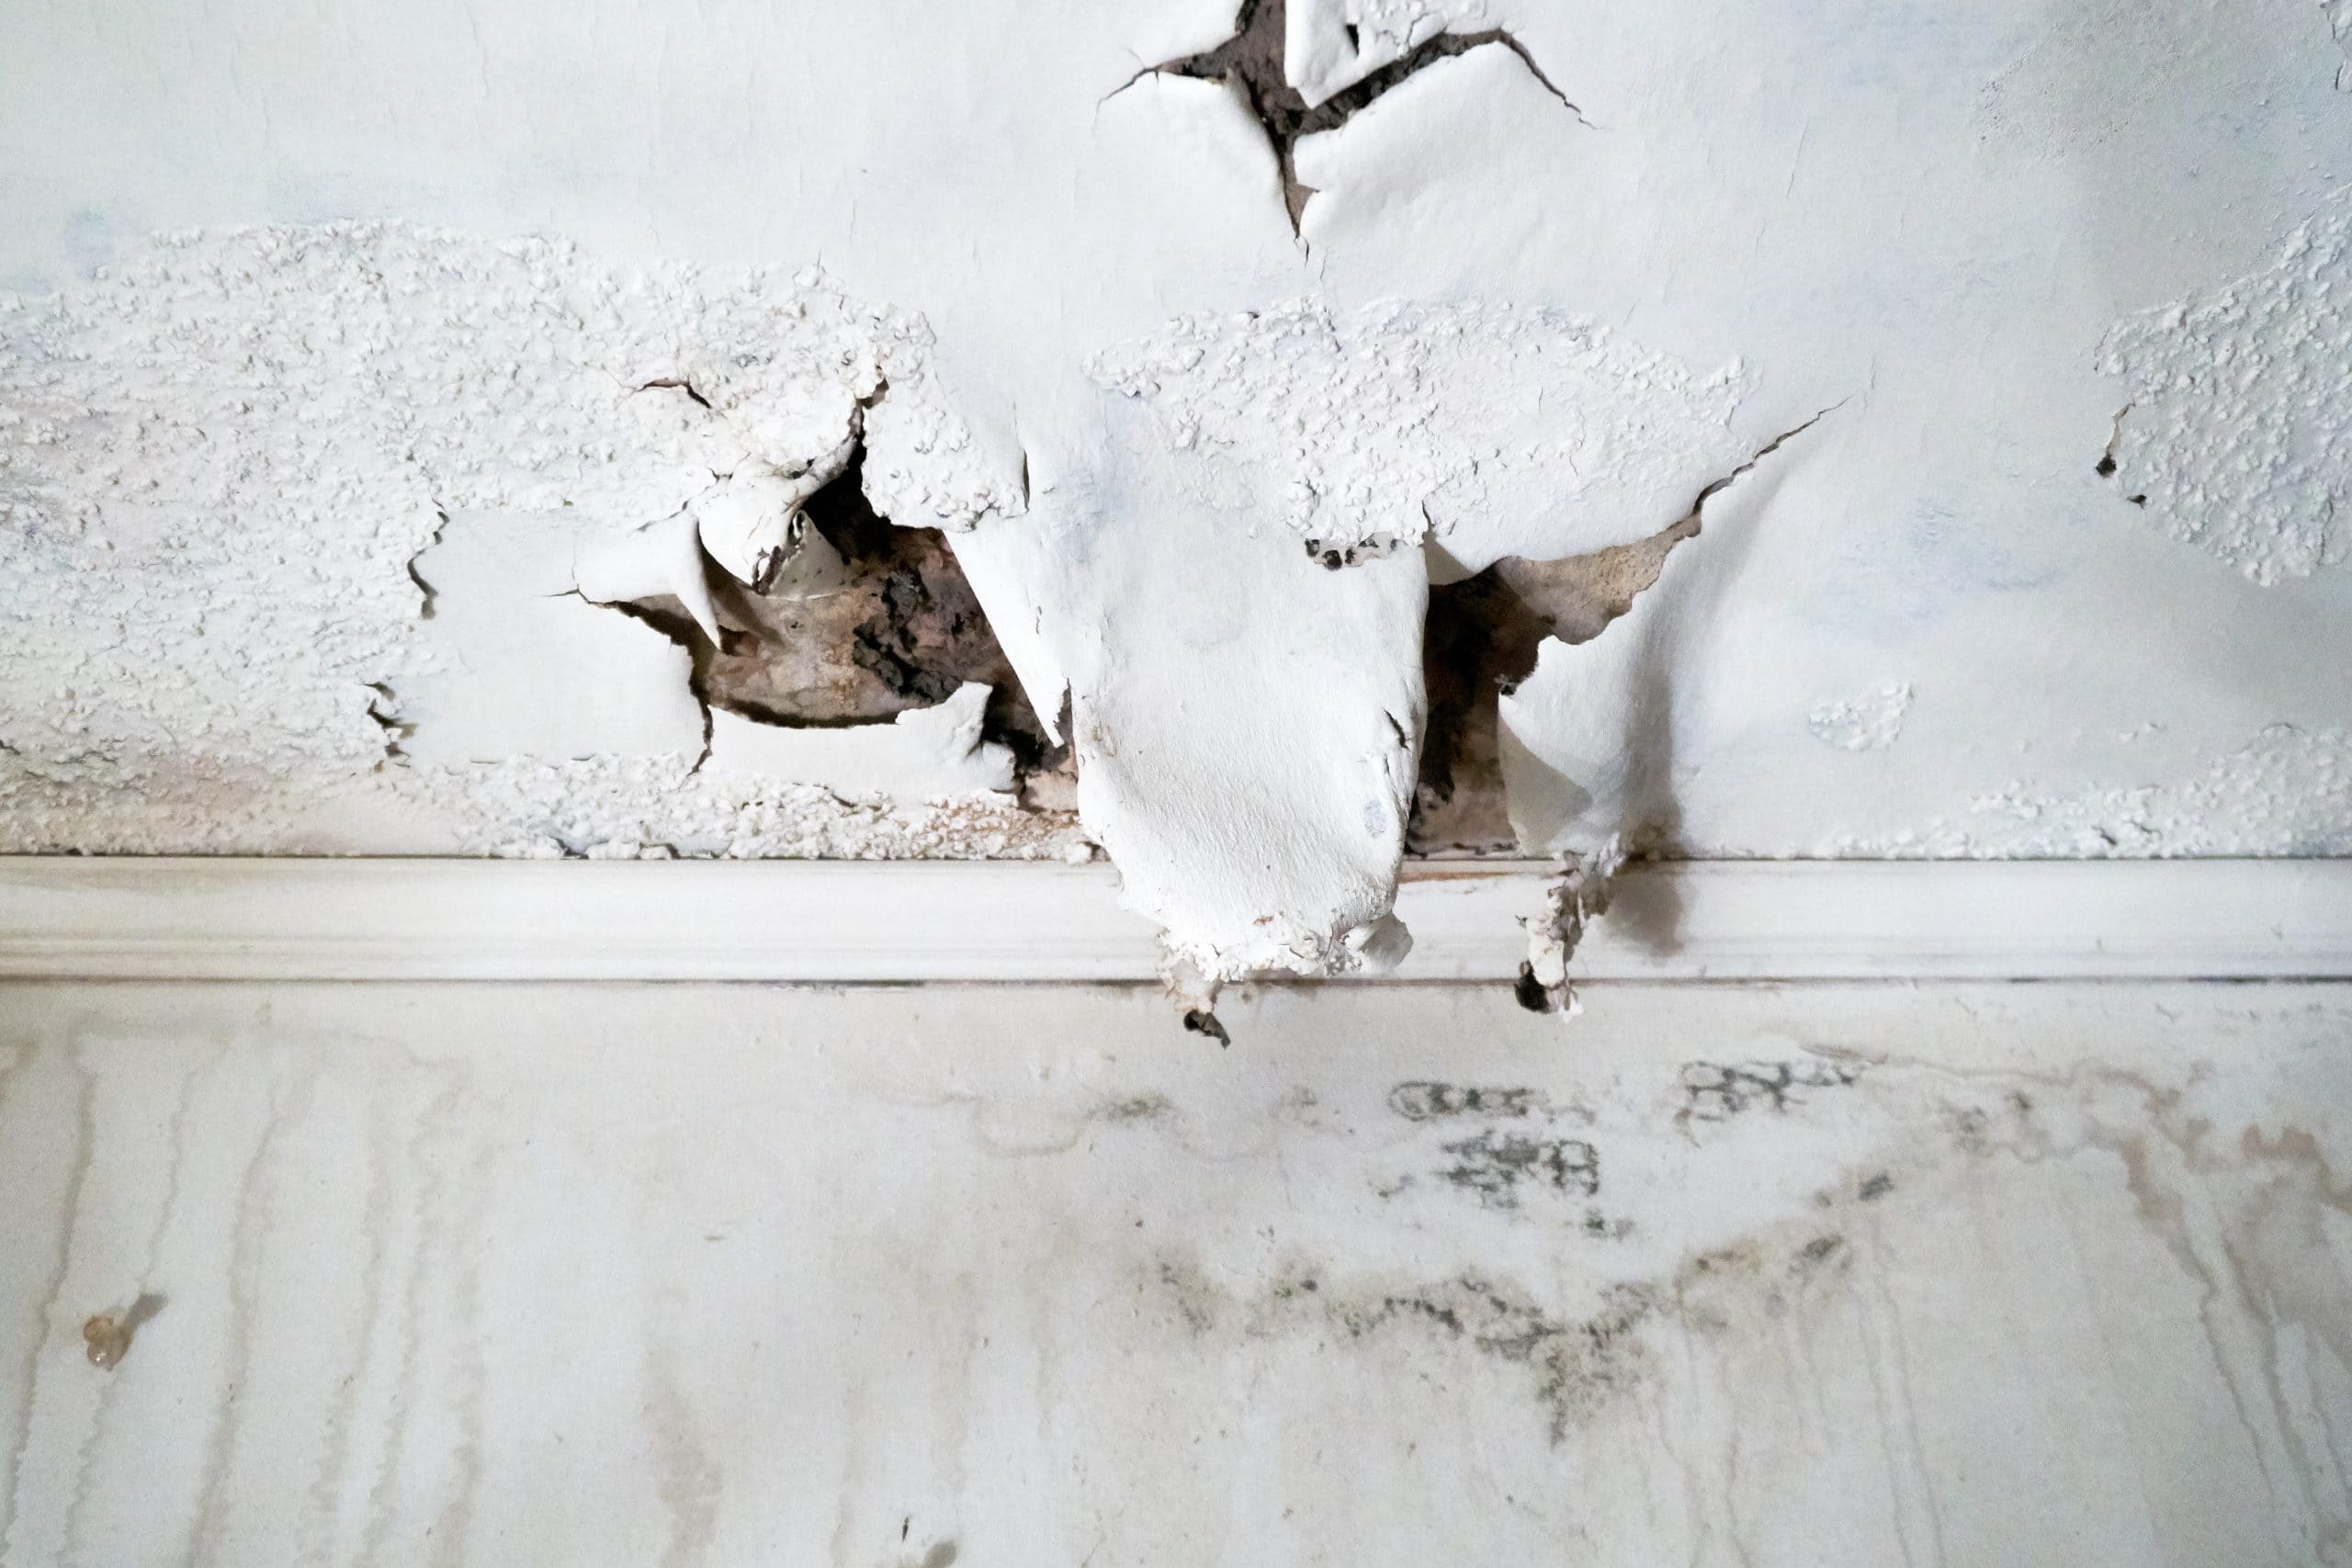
[1252, 62]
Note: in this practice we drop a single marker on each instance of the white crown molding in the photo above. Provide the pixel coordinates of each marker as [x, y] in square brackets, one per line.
[419, 920]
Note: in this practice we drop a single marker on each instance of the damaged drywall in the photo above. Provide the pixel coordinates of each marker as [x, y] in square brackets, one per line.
[1242, 396]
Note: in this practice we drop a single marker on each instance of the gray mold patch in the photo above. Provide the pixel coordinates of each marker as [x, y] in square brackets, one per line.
[2236, 436]
[1717, 1091]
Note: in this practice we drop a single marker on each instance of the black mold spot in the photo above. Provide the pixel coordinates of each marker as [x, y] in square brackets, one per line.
[1576, 1363]
[904, 632]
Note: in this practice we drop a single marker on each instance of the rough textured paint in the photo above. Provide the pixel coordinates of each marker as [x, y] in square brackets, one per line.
[2238, 436]
[1485, 429]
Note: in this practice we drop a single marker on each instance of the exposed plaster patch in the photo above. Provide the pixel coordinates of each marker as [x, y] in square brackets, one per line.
[1867, 723]
[894, 625]
[2238, 435]
[1490, 429]
[220, 461]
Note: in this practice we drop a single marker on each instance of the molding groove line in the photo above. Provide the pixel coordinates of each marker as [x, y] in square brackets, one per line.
[68, 918]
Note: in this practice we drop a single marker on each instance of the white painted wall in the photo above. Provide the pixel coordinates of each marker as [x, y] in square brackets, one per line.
[1971, 235]
[1983, 1275]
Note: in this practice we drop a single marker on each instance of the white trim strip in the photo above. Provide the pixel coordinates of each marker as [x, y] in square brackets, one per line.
[436, 920]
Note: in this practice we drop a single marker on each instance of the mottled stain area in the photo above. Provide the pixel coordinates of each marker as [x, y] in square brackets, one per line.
[2081, 1249]
[2237, 434]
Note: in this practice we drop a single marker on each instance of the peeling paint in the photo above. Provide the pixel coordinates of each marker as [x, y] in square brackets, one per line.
[183, 677]
[2237, 438]
[2286, 792]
